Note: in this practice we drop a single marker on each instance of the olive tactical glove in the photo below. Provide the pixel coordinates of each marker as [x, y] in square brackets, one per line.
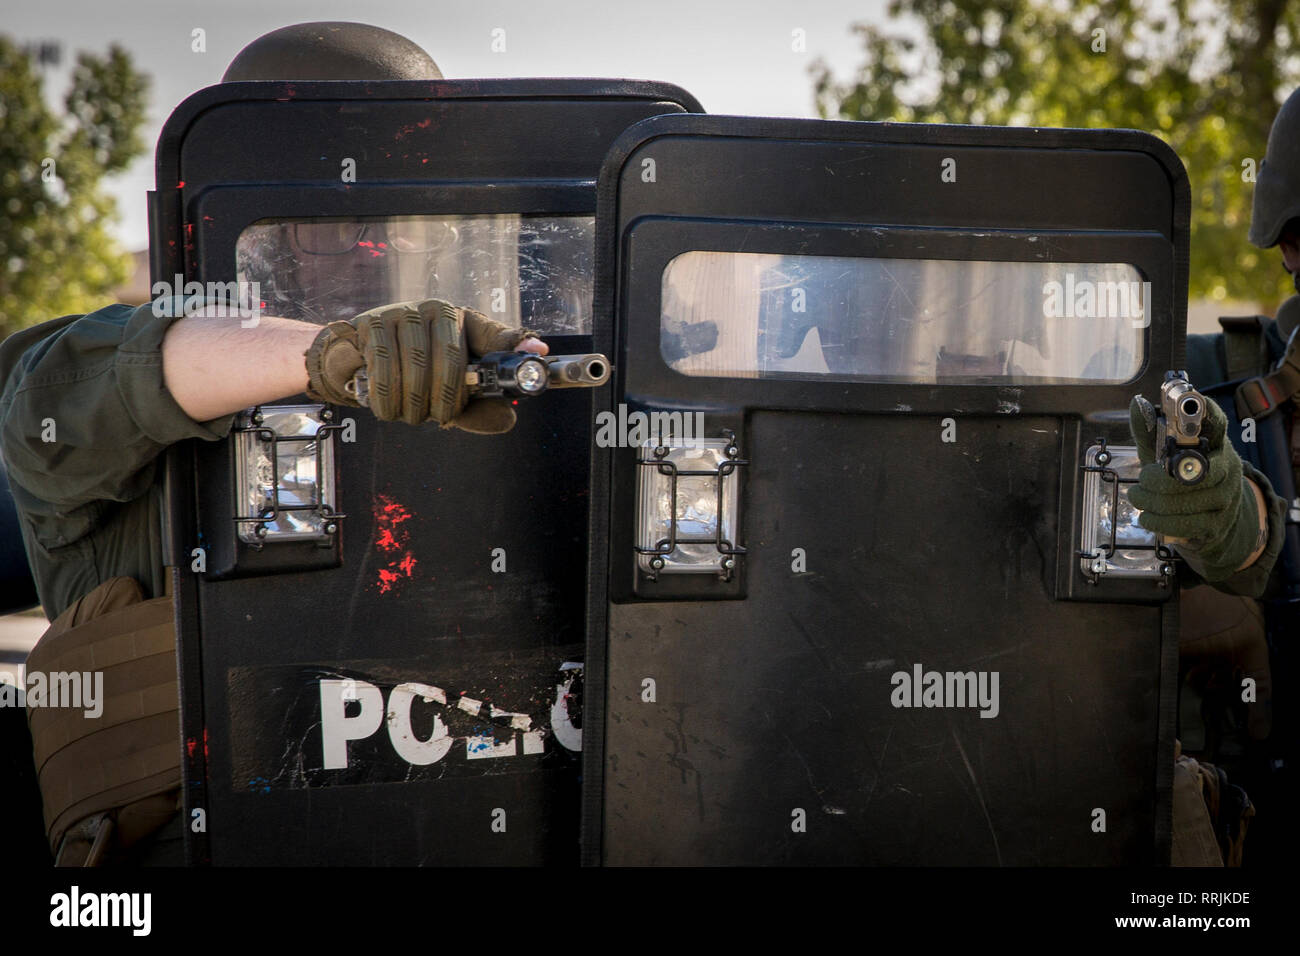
[414, 355]
[1217, 519]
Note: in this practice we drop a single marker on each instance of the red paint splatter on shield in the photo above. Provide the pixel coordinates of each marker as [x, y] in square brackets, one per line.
[391, 539]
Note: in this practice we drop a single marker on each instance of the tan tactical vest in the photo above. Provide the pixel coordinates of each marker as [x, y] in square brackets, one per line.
[108, 781]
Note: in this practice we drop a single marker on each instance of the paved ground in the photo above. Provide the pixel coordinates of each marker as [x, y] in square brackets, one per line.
[18, 632]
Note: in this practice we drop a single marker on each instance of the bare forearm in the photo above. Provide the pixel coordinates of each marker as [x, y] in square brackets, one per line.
[213, 366]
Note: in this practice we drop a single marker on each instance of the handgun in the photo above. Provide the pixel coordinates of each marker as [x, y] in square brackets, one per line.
[523, 374]
[526, 373]
[1180, 447]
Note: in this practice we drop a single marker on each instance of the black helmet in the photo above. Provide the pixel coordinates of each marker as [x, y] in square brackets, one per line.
[332, 51]
[1277, 188]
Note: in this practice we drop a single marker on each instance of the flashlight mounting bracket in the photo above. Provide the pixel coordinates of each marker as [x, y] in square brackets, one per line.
[727, 550]
[251, 422]
[1095, 561]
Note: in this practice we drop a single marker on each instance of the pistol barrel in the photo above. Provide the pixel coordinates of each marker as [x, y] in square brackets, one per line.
[577, 371]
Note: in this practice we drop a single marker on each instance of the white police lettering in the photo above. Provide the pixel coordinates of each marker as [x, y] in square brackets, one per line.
[511, 733]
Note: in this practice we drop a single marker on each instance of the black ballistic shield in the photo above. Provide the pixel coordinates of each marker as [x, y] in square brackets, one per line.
[860, 628]
[382, 627]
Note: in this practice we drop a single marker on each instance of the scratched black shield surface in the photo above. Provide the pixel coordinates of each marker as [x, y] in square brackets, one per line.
[752, 721]
[461, 562]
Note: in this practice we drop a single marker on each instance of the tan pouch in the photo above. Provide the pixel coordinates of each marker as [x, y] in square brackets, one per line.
[99, 774]
[1228, 628]
[1194, 843]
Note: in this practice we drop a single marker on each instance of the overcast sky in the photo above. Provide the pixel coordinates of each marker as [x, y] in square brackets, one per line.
[735, 57]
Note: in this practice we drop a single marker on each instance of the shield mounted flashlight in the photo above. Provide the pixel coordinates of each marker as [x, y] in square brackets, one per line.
[527, 374]
[1179, 444]
[517, 374]
[1114, 545]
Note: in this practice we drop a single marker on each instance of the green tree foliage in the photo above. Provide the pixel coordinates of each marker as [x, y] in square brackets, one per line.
[56, 254]
[1207, 76]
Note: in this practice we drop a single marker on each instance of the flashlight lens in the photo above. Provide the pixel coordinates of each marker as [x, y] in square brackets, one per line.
[695, 506]
[531, 376]
[287, 472]
[1109, 515]
[1190, 469]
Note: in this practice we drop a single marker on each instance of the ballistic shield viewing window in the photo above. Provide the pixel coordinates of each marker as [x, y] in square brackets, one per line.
[382, 626]
[526, 271]
[751, 315]
[888, 651]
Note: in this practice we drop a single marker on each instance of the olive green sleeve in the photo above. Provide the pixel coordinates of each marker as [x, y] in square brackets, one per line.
[1258, 580]
[1207, 365]
[84, 416]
